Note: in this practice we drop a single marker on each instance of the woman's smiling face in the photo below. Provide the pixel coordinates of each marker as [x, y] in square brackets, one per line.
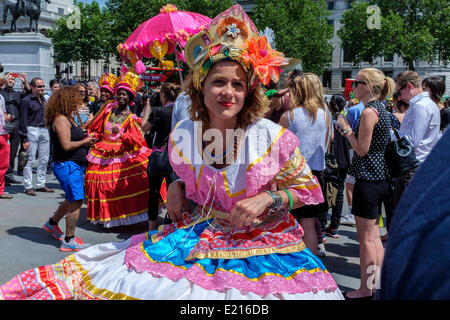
[122, 97]
[224, 90]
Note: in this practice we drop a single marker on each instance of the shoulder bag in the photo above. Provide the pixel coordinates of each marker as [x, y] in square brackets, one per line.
[400, 156]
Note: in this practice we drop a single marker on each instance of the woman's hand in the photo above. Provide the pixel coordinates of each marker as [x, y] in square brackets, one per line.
[9, 117]
[89, 141]
[245, 211]
[343, 123]
[176, 201]
[115, 130]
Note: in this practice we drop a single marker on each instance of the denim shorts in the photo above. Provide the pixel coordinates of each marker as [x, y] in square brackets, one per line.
[71, 179]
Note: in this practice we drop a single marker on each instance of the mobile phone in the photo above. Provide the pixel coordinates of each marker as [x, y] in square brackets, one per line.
[337, 124]
[15, 75]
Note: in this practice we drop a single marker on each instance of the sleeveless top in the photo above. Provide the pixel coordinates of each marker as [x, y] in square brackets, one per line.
[312, 135]
[372, 167]
[276, 115]
[78, 155]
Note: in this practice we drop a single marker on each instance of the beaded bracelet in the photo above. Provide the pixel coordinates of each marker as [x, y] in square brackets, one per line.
[273, 198]
[277, 202]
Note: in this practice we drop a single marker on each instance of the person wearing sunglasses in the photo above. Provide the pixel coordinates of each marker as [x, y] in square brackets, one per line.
[83, 109]
[369, 141]
[421, 123]
[34, 137]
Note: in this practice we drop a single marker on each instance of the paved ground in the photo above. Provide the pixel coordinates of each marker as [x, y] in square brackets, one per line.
[25, 245]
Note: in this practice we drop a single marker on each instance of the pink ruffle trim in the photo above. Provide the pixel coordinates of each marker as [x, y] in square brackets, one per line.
[310, 197]
[222, 281]
[123, 159]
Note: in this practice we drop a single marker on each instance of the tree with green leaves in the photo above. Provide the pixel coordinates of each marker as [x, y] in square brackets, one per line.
[83, 41]
[412, 29]
[301, 30]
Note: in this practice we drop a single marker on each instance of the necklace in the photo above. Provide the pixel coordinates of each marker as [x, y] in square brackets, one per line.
[221, 161]
[216, 157]
[119, 117]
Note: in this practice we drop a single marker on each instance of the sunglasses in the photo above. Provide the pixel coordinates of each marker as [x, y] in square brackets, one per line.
[399, 92]
[40, 87]
[356, 83]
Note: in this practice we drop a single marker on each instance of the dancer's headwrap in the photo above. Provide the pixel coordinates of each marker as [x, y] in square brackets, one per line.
[130, 82]
[232, 35]
[107, 82]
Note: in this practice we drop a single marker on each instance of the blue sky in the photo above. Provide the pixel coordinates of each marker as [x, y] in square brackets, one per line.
[100, 2]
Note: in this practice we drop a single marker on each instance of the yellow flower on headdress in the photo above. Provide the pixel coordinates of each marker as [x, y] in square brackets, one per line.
[266, 62]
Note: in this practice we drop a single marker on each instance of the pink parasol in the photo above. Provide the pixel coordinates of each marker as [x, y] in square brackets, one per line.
[159, 35]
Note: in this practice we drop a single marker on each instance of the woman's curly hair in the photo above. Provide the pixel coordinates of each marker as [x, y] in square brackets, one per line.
[64, 102]
[255, 105]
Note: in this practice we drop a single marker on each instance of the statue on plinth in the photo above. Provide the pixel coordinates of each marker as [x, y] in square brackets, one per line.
[25, 8]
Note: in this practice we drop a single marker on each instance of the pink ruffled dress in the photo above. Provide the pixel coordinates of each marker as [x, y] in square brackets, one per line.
[116, 182]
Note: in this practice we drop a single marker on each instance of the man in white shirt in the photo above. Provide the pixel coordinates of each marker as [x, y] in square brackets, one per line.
[420, 124]
[422, 120]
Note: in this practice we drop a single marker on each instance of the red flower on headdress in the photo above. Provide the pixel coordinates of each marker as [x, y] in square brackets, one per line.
[266, 62]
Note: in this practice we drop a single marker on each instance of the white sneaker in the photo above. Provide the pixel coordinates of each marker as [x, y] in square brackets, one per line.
[321, 250]
[349, 220]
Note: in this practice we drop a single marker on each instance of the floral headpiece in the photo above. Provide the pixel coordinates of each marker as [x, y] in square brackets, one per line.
[232, 35]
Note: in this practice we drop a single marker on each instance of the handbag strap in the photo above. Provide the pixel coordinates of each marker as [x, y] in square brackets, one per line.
[166, 142]
[330, 150]
[397, 134]
[79, 118]
[330, 130]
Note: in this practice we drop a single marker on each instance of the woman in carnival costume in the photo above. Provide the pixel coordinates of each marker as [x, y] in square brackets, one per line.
[116, 178]
[106, 84]
[241, 242]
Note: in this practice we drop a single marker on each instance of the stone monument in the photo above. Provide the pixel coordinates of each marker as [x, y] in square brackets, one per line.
[29, 52]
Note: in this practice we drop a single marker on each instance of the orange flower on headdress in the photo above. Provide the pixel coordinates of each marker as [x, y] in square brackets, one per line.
[266, 62]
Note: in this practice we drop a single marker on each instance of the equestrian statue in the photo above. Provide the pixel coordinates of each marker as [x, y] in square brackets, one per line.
[25, 8]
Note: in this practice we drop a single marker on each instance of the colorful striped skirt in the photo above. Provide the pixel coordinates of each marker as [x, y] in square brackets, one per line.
[139, 268]
[117, 193]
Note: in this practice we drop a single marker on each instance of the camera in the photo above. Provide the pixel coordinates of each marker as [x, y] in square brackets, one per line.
[155, 100]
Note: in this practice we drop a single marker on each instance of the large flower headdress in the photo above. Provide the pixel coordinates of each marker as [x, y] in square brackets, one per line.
[232, 35]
